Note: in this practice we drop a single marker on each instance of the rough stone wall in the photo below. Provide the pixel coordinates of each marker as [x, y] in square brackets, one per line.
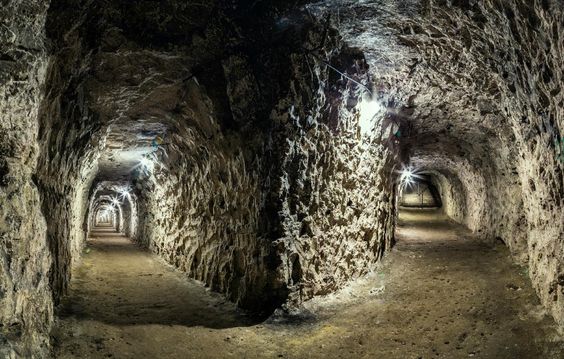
[533, 101]
[130, 217]
[452, 192]
[480, 81]
[200, 208]
[337, 210]
[25, 299]
[335, 190]
[69, 149]
[286, 208]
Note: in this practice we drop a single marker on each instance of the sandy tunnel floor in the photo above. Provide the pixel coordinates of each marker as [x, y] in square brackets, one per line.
[439, 294]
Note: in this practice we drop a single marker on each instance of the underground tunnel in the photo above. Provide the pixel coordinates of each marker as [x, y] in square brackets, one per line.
[281, 179]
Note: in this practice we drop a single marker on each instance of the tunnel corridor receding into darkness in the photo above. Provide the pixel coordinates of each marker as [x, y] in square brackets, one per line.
[293, 179]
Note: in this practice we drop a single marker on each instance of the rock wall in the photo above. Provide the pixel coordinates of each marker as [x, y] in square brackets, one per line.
[199, 209]
[533, 101]
[479, 83]
[334, 184]
[69, 139]
[277, 215]
[452, 192]
[130, 216]
[26, 310]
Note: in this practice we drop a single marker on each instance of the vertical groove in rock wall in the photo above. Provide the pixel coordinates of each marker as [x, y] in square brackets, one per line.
[25, 299]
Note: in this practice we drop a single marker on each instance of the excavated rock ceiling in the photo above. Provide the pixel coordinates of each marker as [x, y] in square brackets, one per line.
[125, 144]
[434, 63]
[134, 92]
[477, 88]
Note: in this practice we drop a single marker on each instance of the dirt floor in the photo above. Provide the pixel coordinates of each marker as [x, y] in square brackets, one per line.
[439, 294]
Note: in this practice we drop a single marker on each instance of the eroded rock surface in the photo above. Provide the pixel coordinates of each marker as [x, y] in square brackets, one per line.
[478, 89]
[260, 143]
[26, 309]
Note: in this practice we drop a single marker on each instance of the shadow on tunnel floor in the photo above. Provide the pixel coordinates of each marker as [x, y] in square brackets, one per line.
[431, 230]
[119, 283]
[432, 223]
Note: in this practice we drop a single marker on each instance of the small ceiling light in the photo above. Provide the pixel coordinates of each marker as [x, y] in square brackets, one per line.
[124, 192]
[115, 201]
[407, 175]
[369, 109]
[147, 164]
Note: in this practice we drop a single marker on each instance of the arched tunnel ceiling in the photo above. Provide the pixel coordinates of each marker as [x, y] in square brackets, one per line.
[134, 92]
[135, 70]
[126, 143]
[433, 69]
[131, 82]
[109, 189]
[440, 68]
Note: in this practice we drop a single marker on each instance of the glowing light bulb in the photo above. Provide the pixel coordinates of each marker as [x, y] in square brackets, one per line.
[368, 110]
[124, 193]
[407, 176]
[147, 164]
[115, 201]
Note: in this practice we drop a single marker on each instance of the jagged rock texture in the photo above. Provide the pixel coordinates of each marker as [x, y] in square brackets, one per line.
[269, 187]
[26, 309]
[478, 88]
